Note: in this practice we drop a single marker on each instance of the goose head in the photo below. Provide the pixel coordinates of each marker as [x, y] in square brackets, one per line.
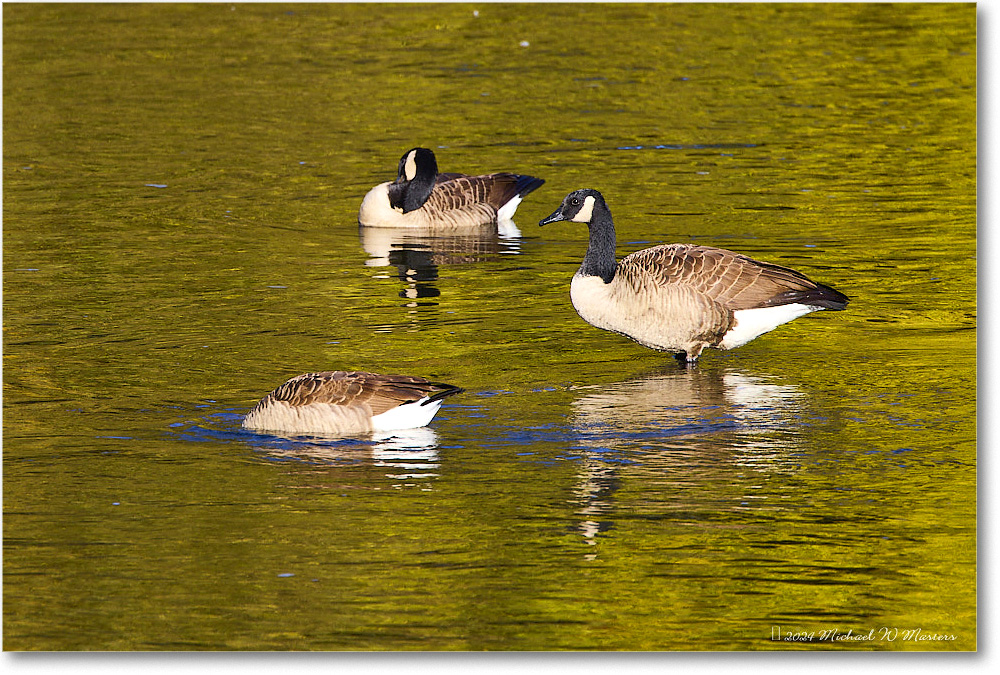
[415, 179]
[578, 207]
[588, 206]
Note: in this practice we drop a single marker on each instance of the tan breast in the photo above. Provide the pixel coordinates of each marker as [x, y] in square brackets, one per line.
[658, 316]
[313, 418]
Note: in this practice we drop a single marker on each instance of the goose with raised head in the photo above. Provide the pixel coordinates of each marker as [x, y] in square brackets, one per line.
[678, 297]
[421, 197]
[346, 403]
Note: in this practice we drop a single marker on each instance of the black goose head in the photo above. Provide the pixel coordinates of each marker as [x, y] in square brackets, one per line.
[588, 206]
[415, 180]
[578, 206]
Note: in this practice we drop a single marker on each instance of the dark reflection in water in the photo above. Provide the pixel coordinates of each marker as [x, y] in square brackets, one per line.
[417, 254]
[677, 421]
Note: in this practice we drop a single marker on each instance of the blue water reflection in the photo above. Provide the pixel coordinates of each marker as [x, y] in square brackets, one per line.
[409, 454]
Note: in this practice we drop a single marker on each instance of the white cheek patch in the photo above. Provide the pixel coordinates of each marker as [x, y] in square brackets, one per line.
[585, 212]
[410, 168]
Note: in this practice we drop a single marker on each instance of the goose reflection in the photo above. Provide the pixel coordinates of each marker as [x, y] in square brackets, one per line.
[595, 496]
[409, 455]
[417, 254]
[695, 420]
[685, 403]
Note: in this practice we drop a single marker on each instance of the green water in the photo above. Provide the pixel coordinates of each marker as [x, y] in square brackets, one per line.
[181, 185]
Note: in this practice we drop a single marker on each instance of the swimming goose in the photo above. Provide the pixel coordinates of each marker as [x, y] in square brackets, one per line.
[422, 197]
[345, 403]
[678, 297]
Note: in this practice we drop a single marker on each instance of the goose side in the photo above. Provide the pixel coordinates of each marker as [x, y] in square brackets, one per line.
[344, 403]
[678, 297]
[420, 197]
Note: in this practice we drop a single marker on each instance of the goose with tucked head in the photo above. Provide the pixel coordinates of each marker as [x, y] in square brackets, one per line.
[347, 403]
[678, 297]
[420, 197]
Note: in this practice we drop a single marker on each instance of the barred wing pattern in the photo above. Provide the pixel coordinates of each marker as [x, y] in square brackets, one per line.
[354, 388]
[473, 200]
[730, 279]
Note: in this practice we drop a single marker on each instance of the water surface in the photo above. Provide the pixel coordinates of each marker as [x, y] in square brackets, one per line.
[181, 185]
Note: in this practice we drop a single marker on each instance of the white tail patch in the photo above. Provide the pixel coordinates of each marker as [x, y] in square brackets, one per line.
[751, 323]
[407, 416]
[506, 211]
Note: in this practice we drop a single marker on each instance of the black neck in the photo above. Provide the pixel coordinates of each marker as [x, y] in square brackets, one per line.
[600, 258]
[410, 195]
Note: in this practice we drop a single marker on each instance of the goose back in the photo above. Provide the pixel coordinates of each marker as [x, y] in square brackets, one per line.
[731, 279]
[348, 402]
[468, 201]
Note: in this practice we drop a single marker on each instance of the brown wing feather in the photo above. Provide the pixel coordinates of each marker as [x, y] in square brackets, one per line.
[728, 278]
[461, 201]
[503, 187]
[379, 392]
[495, 189]
[460, 192]
[443, 177]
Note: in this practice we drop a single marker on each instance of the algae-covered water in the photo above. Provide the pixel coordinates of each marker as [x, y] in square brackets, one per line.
[180, 194]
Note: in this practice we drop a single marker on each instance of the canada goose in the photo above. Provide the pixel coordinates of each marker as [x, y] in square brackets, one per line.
[422, 197]
[682, 298]
[345, 403]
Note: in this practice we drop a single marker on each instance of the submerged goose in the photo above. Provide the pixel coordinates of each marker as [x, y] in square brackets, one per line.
[682, 298]
[345, 403]
[422, 197]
